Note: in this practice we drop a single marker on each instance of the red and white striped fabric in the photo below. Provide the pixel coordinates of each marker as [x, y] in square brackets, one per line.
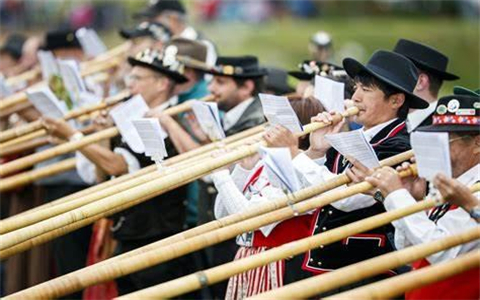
[257, 280]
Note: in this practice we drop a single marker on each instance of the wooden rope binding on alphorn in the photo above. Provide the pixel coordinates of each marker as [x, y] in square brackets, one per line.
[389, 288]
[33, 159]
[190, 283]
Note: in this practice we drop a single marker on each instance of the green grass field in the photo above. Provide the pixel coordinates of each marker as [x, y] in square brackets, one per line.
[284, 42]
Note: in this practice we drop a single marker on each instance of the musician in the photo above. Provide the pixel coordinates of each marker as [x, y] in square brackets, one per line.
[249, 185]
[173, 15]
[321, 47]
[384, 94]
[11, 52]
[459, 115]
[154, 77]
[432, 67]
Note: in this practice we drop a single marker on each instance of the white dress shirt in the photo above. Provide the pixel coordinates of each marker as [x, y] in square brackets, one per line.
[315, 172]
[418, 228]
[232, 116]
[415, 118]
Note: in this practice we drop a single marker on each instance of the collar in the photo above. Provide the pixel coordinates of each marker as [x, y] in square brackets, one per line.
[416, 118]
[169, 103]
[233, 115]
[471, 176]
[189, 33]
[372, 132]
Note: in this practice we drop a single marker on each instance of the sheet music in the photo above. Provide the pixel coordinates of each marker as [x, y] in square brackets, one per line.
[91, 43]
[48, 64]
[208, 117]
[152, 136]
[432, 153]
[279, 163]
[5, 90]
[70, 72]
[45, 101]
[123, 115]
[354, 144]
[330, 93]
[278, 110]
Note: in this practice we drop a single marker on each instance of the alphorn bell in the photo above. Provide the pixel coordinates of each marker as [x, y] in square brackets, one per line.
[36, 126]
[199, 279]
[389, 288]
[141, 193]
[35, 158]
[313, 286]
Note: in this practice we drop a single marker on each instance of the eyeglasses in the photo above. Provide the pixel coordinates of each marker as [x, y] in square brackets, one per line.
[136, 78]
[457, 138]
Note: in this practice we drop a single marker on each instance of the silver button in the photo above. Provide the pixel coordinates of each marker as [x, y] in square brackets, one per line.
[316, 226]
[324, 228]
[330, 212]
[321, 246]
[311, 259]
[322, 210]
[319, 263]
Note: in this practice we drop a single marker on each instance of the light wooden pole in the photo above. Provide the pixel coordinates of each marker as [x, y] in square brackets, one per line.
[174, 164]
[200, 279]
[36, 126]
[33, 159]
[395, 286]
[325, 282]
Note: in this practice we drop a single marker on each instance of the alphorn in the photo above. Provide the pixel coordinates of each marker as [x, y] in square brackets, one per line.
[174, 164]
[33, 159]
[25, 76]
[87, 68]
[198, 280]
[36, 126]
[132, 196]
[395, 286]
[325, 282]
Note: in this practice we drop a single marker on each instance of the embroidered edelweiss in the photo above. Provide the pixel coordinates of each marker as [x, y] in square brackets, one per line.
[169, 58]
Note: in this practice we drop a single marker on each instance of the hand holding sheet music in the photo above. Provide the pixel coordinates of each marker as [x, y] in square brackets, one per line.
[209, 119]
[354, 144]
[432, 153]
[45, 101]
[123, 115]
[278, 162]
[278, 111]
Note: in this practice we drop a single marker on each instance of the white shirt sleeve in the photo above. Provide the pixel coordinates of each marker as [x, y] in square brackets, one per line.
[85, 168]
[132, 162]
[418, 228]
[314, 173]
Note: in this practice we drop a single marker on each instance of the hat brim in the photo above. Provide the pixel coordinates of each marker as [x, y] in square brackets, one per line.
[449, 128]
[301, 75]
[129, 33]
[178, 78]
[439, 73]
[259, 73]
[353, 68]
[460, 90]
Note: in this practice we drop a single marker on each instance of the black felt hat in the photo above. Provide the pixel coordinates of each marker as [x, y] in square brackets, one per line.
[309, 68]
[392, 69]
[455, 113]
[155, 30]
[460, 90]
[238, 67]
[425, 58]
[277, 81]
[164, 63]
[62, 38]
[13, 45]
[158, 6]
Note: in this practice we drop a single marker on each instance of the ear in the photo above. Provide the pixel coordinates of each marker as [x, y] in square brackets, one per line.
[422, 83]
[477, 144]
[397, 100]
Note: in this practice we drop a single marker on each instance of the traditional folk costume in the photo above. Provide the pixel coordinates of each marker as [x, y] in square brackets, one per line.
[447, 219]
[241, 191]
[387, 139]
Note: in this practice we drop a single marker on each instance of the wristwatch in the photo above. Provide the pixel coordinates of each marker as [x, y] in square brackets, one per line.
[378, 196]
[475, 212]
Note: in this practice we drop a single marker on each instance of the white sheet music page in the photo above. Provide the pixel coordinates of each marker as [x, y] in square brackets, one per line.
[330, 93]
[279, 164]
[5, 90]
[123, 115]
[48, 64]
[45, 101]
[152, 135]
[90, 42]
[354, 144]
[278, 110]
[432, 153]
[70, 72]
[208, 117]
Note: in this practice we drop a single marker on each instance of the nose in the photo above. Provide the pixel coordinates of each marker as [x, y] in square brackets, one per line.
[357, 96]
